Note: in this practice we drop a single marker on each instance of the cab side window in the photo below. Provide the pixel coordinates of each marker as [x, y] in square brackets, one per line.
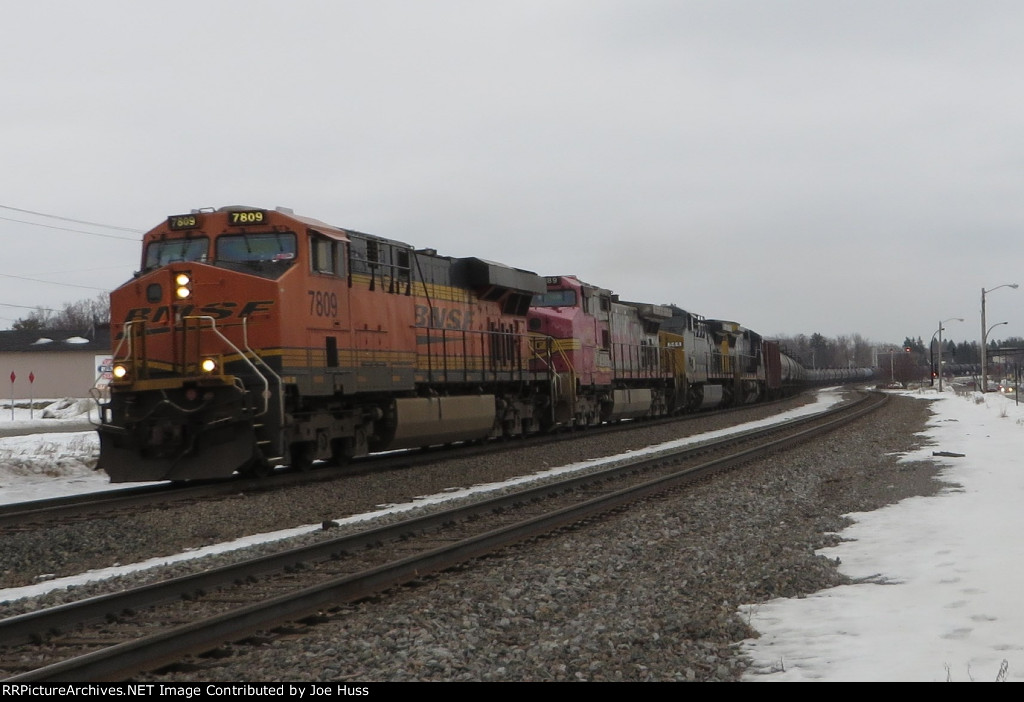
[325, 255]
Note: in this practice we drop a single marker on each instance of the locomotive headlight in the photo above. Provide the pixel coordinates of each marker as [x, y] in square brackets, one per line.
[208, 365]
[182, 285]
[120, 371]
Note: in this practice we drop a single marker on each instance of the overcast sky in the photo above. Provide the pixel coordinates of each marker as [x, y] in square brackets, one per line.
[797, 166]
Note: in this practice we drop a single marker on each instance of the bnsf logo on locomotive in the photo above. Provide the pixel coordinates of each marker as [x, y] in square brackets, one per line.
[217, 310]
[443, 318]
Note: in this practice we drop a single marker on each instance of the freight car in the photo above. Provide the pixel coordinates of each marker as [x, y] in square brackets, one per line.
[252, 337]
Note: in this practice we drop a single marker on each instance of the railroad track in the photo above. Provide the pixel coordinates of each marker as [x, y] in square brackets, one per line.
[26, 516]
[112, 637]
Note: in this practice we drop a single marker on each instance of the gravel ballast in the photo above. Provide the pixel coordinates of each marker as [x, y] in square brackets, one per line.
[648, 594]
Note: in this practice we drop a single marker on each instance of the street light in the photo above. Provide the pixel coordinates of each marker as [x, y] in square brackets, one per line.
[892, 363]
[939, 332]
[997, 324]
[989, 331]
[984, 334]
[931, 358]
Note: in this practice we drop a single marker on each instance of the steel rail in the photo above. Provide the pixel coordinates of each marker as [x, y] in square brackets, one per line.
[170, 645]
[14, 516]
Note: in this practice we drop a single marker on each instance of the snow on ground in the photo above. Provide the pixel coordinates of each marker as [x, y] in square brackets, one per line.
[79, 477]
[48, 451]
[939, 592]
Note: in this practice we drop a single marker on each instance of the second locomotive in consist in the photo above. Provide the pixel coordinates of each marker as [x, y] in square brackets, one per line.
[252, 337]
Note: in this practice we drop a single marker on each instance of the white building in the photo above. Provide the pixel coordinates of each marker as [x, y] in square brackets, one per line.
[53, 363]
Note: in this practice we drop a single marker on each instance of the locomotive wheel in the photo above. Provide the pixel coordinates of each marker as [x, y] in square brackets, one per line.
[339, 453]
[258, 467]
[302, 453]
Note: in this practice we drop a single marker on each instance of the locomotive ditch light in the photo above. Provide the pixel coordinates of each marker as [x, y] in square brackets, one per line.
[120, 371]
[208, 365]
[183, 285]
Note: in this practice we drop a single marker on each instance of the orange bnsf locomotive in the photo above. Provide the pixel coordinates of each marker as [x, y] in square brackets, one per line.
[252, 337]
[255, 337]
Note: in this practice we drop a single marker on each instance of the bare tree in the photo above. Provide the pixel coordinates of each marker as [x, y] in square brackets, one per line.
[74, 316]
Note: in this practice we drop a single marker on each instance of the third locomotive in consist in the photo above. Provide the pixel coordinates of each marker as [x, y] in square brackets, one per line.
[252, 337]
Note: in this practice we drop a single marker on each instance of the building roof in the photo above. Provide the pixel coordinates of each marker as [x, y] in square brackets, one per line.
[56, 340]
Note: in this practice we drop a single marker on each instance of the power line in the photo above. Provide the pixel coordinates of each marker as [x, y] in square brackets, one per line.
[69, 219]
[133, 239]
[26, 307]
[52, 282]
[77, 231]
[82, 270]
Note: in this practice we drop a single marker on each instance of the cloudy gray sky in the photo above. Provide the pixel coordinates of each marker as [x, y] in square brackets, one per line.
[799, 166]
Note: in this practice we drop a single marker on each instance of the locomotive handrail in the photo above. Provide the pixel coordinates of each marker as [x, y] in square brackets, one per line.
[454, 355]
[128, 334]
[124, 335]
[97, 393]
[266, 383]
[636, 361]
[547, 343]
[280, 383]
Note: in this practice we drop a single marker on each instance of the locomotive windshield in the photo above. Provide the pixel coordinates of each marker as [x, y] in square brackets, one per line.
[555, 298]
[160, 253]
[267, 255]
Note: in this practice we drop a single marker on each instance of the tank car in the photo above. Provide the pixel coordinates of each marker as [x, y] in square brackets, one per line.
[255, 336]
[783, 375]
